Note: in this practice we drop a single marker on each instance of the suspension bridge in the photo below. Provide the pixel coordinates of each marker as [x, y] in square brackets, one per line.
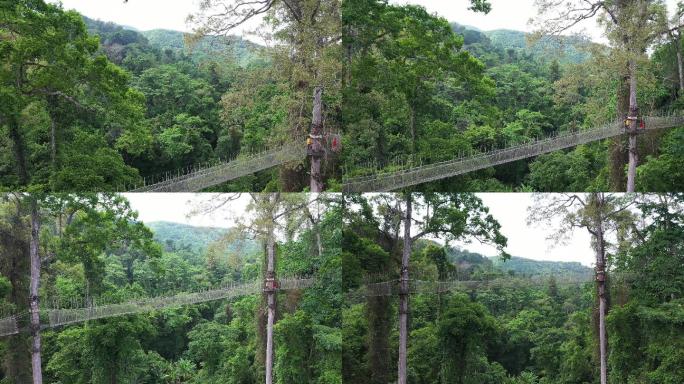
[71, 311]
[199, 177]
[466, 163]
[391, 288]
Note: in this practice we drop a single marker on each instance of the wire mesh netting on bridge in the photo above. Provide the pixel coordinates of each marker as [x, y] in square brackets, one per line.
[197, 178]
[384, 285]
[465, 164]
[9, 325]
[70, 311]
[417, 286]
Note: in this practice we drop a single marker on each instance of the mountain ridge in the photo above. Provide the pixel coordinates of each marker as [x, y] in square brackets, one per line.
[198, 239]
[117, 39]
[566, 49]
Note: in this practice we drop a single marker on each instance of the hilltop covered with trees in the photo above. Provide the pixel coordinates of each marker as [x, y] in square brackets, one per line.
[513, 328]
[93, 246]
[421, 90]
[100, 106]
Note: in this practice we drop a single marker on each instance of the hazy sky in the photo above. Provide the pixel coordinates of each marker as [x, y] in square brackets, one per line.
[505, 14]
[175, 207]
[146, 14]
[510, 209]
[171, 14]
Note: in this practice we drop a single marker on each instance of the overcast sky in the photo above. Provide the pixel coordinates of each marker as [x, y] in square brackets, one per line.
[171, 14]
[148, 14]
[505, 14]
[510, 209]
[175, 207]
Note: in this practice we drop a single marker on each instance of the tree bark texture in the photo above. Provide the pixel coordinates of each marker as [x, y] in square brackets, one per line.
[316, 150]
[404, 294]
[601, 288]
[271, 304]
[633, 114]
[34, 286]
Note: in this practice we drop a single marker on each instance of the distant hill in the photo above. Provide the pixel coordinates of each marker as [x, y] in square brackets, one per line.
[565, 49]
[117, 41]
[175, 236]
[470, 262]
[467, 261]
[528, 267]
[241, 50]
[569, 48]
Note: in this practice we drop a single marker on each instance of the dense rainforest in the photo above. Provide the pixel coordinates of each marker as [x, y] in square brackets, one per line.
[93, 249]
[93, 106]
[421, 90]
[512, 320]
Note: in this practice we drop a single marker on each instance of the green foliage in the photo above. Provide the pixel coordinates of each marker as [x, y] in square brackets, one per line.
[175, 236]
[508, 91]
[98, 249]
[100, 107]
[103, 353]
[80, 97]
[576, 170]
[664, 172]
[514, 329]
[570, 49]
[462, 331]
[295, 337]
[528, 267]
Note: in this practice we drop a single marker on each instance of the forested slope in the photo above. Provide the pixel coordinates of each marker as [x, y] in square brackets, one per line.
[198, 239]
[99, 107]
[184, 84]
[490, 90]
[108, 255]
[527, 267]
[513, 328]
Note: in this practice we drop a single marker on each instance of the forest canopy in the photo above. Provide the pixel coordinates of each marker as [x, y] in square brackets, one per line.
[422, 90]
[95, 252]
[100, 107]
[479, 320]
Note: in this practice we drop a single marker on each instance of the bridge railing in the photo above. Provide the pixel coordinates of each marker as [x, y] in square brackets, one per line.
[391, 288]
[58, 317]
[464, 164]
[9, 325]
[198, 178]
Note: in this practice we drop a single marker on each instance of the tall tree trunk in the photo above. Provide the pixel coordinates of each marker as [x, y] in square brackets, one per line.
[404, 294]
[19, 150]
[319, 243]
[14, 249]
[316, 146]
[34, 286]
[618, 156]
[412, 127]
[633, 114]
[52, 112]
[601, 286]
[271, 303]
[680, 61]
[314, 218]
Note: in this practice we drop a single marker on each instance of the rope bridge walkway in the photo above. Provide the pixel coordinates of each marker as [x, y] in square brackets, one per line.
[64, 312]
[416, 286]
[465, 164]
[197, 178]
